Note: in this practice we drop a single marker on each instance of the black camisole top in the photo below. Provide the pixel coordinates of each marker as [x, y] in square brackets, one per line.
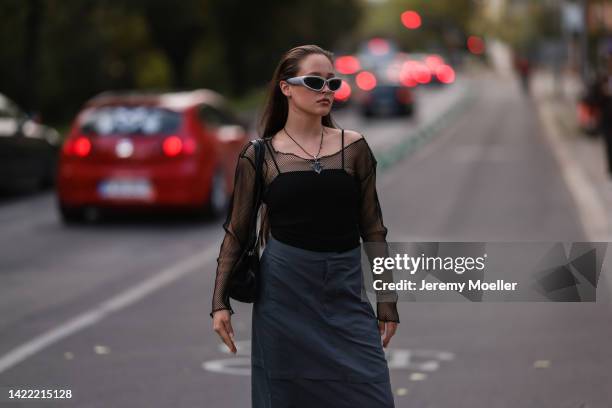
[315, 211]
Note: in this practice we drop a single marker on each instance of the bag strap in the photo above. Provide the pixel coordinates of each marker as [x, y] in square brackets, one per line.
[257, 196]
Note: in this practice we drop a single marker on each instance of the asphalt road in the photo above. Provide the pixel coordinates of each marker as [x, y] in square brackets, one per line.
[117, 312]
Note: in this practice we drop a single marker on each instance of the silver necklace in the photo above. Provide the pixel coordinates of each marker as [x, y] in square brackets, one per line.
[316, 164]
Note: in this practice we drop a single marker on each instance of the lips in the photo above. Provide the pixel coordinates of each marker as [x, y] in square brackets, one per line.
[324, 100]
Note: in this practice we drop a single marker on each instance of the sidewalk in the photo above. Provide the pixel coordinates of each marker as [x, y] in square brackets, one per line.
[582, 158]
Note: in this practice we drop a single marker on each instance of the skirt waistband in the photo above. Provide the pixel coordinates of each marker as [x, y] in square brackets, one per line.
[275, 244]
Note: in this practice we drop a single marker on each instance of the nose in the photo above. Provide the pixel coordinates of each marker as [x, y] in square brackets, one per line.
[326, 85]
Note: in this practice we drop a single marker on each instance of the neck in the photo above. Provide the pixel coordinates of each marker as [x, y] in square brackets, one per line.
[304, 126]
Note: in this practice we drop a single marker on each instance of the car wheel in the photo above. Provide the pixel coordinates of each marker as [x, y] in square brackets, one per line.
[71, 215]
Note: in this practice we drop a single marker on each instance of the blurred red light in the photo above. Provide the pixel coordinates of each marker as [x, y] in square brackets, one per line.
[433, 61]
[445, 74]
[421, 73]
[343, 93]
[378, 46]
[366, 80]
[81, 146]
[190, 146]
[475, 44]
[587, 115]
[172, 146]
[347, 64]
[411, 19]
[408, 81]
[406, 72]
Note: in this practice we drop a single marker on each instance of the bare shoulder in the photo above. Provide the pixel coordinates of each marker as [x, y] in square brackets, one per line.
[351, 136]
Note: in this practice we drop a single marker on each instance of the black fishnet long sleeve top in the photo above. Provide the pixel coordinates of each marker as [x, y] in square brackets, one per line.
[329, 211]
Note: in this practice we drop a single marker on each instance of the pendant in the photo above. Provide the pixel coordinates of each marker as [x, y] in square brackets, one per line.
[317, 166]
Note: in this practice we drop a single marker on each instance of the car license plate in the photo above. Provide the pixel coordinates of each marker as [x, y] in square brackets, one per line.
[126, 188]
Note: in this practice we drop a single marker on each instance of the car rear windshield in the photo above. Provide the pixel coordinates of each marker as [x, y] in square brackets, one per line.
[144, 120]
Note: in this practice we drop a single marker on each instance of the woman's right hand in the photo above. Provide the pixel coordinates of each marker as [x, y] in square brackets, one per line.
[222, 324]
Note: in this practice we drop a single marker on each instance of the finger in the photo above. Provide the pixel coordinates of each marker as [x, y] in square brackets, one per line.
[229, 328]
[386, 337]
[389, 332]
[230, 331]
[226, 339]
[381, 327]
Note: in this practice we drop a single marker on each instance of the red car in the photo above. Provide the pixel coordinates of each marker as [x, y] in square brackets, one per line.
[158, 150]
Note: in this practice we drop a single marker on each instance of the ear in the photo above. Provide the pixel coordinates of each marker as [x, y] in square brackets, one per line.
[285, 88]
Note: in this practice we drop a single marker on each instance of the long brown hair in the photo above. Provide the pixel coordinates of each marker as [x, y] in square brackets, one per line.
[276, 109]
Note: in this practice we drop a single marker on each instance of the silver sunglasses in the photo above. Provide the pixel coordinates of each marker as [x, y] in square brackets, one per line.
[316, 83]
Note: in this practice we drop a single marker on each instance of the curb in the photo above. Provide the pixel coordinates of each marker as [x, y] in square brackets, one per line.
[591, 210]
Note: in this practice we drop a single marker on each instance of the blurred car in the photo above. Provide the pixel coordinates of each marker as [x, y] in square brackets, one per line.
[372, 79]
[28, 150]
[150, 150]
[382, 91]
[381, 80]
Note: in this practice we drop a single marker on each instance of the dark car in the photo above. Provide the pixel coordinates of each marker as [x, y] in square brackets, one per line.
[388, 99]
[131, 150]
[376, 78]
[382, 91]
[28, 150]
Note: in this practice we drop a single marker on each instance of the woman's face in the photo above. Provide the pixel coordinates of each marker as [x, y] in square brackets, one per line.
[306, 99]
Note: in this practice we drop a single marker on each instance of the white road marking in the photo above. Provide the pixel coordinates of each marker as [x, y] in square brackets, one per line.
[416, 360]
[114, 304]
[236, 366]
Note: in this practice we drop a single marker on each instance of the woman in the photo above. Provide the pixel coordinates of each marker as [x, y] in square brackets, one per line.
[315, 343]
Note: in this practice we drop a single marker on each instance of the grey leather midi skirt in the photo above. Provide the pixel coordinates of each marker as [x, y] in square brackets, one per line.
[314, 342]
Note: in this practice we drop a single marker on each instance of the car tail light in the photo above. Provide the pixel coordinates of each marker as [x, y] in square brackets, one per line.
[189, 146]
[445, 74]
[80, 146]
[343, 93]
[422, 74]
[366, 80]
[174, 145]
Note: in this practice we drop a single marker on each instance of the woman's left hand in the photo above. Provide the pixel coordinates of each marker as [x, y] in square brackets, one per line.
[387, 330]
